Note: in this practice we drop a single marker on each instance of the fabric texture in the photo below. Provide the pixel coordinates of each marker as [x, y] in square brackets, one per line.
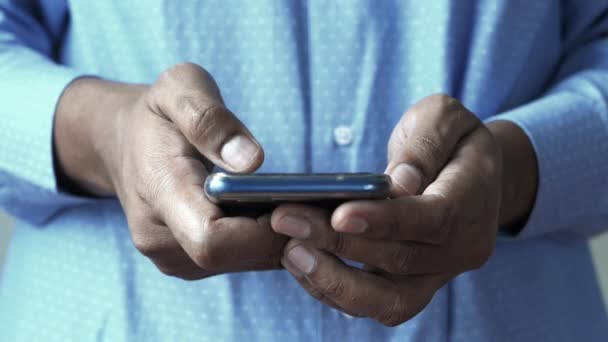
[321, 84]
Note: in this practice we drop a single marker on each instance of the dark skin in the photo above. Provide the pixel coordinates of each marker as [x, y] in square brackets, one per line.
[456, 181]
[152, 146]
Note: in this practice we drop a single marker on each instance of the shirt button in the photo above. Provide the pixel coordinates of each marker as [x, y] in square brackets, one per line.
[343, 135]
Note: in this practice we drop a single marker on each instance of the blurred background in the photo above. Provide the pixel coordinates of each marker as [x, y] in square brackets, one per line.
[599, 246]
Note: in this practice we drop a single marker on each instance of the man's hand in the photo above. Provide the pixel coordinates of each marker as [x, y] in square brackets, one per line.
[153, 146]
[442, 220]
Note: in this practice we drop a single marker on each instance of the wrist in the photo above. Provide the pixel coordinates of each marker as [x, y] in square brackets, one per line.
[86, 136]
[519, 174]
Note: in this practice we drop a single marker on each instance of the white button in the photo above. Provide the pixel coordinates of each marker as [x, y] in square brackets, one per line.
[343, 135]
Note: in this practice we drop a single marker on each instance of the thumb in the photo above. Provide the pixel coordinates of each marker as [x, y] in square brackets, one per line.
[188, 96]
[424, 140]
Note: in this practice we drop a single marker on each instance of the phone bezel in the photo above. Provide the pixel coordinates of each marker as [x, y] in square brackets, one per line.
[221, 187]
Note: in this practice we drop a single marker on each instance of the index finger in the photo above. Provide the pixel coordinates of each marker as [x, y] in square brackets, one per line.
[212, 241]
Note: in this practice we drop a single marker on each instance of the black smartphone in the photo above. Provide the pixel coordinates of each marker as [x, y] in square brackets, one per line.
[265, 190]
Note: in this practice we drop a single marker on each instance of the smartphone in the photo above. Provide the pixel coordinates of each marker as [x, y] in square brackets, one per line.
[275, 188]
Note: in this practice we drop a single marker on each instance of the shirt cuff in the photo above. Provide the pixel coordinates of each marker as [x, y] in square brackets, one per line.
[28, 184]
[26, 138]
[568, 132]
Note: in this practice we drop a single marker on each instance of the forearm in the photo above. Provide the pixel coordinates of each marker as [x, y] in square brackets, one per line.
[84, 133]
[519, 174]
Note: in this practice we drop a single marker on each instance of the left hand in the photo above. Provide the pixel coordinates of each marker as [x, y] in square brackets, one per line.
[442, 220]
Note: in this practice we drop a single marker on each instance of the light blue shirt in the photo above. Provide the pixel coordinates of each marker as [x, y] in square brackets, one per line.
[294, 71]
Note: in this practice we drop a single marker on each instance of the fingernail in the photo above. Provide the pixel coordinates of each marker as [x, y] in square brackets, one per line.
[353, 225]
[407, 178]
[239, 151]
[302, 259]
[294, 226]
[291, 268]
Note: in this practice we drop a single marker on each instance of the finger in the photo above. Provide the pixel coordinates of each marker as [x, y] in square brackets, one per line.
[425, 218]
[173, 261]
[311, 225]
[154, 240]
[212, 241]
[188, 96]
[180, 265]
[389, 301]
[423, 141]
[158, 244]
[315, 293]
[407, 258]
[458, 196]
[475, 165]
[172, 181]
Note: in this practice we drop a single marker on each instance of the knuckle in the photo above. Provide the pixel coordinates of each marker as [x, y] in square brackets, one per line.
[316, 293]
[426, 150]
[440, 96]
[168, 77]
[401, 260]
[333, 288]
[165, 79]
[189, 68]
[150, 98]
[393, 320]
[180, 272]
[191, 276]
[144, 245]
[169, 271]
[182, 69]
[206, 253]
[443, 102]
[207, 257]
[395, 314]
[453, 113]
[174, 76]
[203, 118]
[142, 188]
[186, 66]
[148, 188]
[427, 145]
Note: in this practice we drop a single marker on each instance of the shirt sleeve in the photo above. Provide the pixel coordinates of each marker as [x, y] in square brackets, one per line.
[30, 86]
[568, 128]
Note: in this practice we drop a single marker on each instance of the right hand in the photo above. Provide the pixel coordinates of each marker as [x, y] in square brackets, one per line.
[153, 146]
